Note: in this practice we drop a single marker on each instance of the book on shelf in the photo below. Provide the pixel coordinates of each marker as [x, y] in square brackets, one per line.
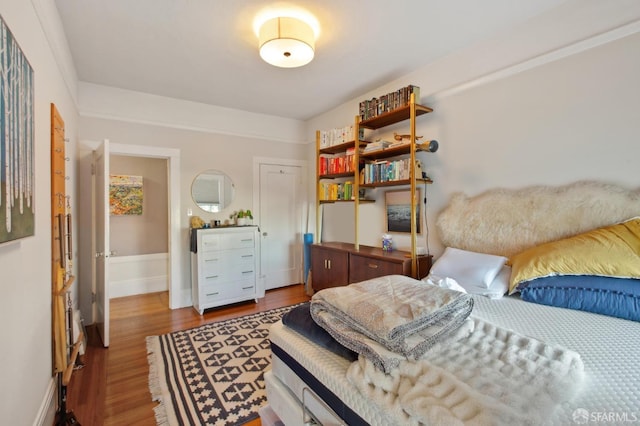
[336, 136]
[376, 146]
[350, 160]
[373, 107]
[348, 190]
[323, 165]
[335, 191]
[335, 163]
[386, 171]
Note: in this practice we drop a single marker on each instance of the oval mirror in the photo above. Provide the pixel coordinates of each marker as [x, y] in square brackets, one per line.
[212, 191]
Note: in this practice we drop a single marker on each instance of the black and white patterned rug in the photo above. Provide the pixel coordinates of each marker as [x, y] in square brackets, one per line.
[212, 374]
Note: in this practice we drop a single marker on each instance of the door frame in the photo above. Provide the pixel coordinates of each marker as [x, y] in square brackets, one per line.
[304, 199]
[176, 297]
[101, 302]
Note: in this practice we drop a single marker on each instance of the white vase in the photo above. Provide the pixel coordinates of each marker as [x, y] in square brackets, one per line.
[241, 221]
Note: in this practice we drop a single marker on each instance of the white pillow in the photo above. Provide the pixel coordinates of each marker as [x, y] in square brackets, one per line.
[468, 268]
[498, 287]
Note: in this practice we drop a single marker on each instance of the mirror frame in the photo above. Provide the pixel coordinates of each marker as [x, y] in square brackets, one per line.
[225, 189]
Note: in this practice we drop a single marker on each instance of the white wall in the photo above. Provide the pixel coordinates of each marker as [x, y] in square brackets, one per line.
[552, 120]
[25, 305]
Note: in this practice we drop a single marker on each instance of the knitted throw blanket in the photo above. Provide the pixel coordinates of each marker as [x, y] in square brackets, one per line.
[391, 318]
[492, 376]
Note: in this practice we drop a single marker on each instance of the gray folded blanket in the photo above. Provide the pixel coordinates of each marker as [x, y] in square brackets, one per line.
[390, 318]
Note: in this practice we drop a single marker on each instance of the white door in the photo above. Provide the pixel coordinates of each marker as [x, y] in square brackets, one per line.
[281, 201]
[101, 193]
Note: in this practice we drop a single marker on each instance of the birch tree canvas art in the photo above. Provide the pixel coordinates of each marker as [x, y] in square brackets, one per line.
[17, 214]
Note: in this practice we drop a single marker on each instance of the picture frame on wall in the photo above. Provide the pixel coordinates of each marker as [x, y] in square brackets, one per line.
[398, 211]
[17, 171]
[125, 195]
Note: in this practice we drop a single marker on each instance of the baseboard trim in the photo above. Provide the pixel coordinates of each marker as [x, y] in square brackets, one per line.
[138, 274]
[137, 286]
[47, 412]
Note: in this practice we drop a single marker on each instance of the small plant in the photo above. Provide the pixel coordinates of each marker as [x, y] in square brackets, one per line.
[241, 214]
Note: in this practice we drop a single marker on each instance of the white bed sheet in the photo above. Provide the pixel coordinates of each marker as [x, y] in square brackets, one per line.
[610, 349]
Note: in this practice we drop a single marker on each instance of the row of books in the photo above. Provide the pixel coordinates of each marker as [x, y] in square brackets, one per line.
[336, 191]
[344, 162]
[338, 136]
[330, 164]
[385, 103]
[337, 163]
[386, 171]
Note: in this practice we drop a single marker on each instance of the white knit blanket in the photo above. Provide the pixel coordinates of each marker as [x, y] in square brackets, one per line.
[491, 377]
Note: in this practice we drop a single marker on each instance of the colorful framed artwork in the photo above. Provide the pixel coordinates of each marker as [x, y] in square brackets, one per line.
[125, 195]
[17, 181]
[398, 210]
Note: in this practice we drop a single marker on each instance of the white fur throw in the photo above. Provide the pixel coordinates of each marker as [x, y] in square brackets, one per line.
[492, 377]
[507, 221]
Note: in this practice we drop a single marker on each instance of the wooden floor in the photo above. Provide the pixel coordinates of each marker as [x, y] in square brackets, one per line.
[112, 388]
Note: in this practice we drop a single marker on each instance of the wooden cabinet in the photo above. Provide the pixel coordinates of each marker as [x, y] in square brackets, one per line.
[224, 266]
[329, 267]
[337, 264]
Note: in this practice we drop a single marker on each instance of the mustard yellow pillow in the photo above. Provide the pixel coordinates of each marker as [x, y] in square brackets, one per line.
[612, 251]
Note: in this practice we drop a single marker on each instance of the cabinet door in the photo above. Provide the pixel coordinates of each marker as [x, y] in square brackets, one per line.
[319, 274]
[363, 268]
[329, 268]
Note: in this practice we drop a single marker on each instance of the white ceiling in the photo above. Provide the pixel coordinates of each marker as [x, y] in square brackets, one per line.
[206, 51]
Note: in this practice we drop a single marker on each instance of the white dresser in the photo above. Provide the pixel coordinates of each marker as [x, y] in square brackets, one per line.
[224, 266]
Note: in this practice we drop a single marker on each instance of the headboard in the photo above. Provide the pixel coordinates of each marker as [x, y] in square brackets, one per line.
[508, 221]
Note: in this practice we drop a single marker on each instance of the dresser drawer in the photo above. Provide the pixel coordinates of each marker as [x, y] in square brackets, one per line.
[363, 268]
[218, 261]
[212, 293]
[228, 275]
[222, 241]
[210, 242]
[244, 240]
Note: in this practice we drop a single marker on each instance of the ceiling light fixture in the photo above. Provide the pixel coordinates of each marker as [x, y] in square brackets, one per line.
[286, 42]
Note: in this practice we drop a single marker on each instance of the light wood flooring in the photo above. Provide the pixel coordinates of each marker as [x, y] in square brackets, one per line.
[112, 388]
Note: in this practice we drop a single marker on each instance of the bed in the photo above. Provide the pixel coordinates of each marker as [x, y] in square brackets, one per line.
[567, 306]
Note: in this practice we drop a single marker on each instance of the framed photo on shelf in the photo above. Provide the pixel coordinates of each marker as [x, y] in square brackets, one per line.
[398, 209]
